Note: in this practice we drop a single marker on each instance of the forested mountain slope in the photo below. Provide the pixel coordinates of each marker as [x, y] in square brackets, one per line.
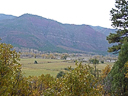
[32, 31]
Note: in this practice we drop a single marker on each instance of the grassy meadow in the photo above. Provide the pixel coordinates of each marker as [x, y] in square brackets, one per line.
[49, 66]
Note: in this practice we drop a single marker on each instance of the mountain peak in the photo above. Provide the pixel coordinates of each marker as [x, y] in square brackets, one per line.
[36, 32]
[30, 15]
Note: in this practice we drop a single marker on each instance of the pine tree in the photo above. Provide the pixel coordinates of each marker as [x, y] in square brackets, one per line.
[120, 22]
[118, 81]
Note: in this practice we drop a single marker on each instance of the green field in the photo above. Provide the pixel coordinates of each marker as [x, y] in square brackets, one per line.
[48, 66]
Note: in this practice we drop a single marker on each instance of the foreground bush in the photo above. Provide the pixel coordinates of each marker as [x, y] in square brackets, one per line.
[11, 80]
[76, 82]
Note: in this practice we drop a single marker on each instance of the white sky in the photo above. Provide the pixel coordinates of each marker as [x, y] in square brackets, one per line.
[91, 12]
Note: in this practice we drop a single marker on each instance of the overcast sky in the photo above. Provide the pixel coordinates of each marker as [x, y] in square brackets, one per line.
[91, 12]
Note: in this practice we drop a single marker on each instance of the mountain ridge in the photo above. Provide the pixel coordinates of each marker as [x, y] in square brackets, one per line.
[32, 31]
[4, 16]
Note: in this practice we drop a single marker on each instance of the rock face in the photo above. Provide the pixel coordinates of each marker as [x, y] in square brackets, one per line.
[32, 31]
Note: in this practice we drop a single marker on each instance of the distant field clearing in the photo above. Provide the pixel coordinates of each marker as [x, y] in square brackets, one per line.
[48, 66]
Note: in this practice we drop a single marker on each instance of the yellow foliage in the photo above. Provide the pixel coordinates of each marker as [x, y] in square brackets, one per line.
[105, 71]
[126, 65]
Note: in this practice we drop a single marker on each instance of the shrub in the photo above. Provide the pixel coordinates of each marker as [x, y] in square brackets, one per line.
[60, 74]
[35, 62]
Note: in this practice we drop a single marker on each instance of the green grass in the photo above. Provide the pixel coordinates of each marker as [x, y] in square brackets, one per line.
[102, 66]
[37, 72]
[44, 66]
[49, 66]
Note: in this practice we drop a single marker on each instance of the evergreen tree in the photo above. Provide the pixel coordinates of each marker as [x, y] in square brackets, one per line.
[117, 79]
[120, 22]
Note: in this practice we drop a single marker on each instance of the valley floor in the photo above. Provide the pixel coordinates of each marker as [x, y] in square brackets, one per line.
[49, 66]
